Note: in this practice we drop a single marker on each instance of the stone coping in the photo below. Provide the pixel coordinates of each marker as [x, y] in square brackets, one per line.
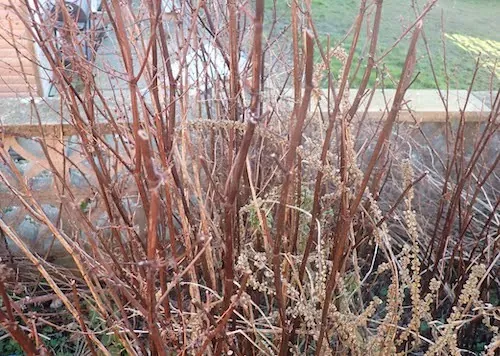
[17, 115]
[427, 105]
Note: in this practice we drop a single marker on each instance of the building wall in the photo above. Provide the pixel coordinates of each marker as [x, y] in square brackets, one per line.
[18, 74]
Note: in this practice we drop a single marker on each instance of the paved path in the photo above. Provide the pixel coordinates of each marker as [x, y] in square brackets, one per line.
[420, 104]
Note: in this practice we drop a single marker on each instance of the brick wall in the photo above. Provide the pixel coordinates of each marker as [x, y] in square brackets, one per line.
[17, 71]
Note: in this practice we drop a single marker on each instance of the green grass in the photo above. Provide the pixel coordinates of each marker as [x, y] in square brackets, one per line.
[470, 27]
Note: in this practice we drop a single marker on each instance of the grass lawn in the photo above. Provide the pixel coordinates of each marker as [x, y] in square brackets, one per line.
[470, 27]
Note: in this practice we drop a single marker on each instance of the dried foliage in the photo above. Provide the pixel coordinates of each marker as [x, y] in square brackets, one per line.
[234, 207]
